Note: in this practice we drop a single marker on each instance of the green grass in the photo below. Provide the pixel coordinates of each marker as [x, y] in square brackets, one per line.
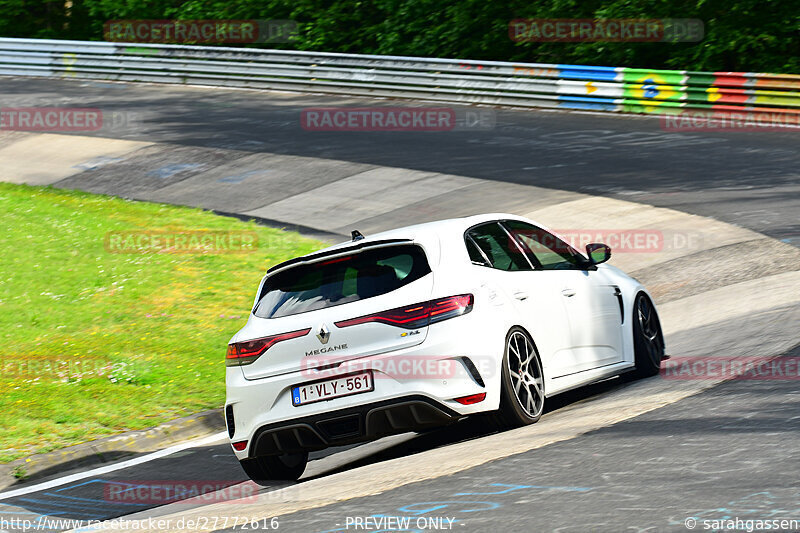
[96, 343]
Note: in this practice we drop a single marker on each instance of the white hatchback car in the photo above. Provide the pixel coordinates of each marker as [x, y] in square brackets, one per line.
[422, 326]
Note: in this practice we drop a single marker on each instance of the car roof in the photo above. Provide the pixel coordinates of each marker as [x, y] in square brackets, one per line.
[417, 232]
[428, 234]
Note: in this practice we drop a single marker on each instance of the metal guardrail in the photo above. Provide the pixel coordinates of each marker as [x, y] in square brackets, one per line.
[444, 80]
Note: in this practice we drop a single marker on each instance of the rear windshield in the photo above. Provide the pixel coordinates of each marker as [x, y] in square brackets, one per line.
[341, 280]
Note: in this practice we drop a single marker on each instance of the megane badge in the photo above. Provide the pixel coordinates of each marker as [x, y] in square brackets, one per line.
[323, 335]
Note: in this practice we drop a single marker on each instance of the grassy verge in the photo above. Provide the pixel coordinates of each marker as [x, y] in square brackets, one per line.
[95, 342]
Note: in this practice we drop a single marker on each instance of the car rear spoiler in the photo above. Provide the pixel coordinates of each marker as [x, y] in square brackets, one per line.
[310, 258]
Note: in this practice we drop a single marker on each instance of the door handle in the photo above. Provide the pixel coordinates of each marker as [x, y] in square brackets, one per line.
[520, 295]
[568, 292]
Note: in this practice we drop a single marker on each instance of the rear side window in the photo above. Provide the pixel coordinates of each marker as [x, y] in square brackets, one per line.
[475, 255]
[341, 280]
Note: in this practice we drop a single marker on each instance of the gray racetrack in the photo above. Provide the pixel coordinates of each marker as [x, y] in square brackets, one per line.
[728, 451]
[751, 179]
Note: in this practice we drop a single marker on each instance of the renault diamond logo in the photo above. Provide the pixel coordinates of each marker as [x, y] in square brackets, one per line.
[323, 335]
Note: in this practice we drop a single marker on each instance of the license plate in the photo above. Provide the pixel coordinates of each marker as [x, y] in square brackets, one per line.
[332, 388]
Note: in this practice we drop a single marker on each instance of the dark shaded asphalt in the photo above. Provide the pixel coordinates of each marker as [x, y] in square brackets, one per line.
[745, 178]
[131, 489]
[192, 477]
[730, 452]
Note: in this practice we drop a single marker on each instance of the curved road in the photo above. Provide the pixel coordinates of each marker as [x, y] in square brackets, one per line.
[665, 464]
[751, 179]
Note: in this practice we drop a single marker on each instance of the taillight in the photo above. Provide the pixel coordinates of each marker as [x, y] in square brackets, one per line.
[417, 315]
[244, 353]
[410, 317]
[451, 307]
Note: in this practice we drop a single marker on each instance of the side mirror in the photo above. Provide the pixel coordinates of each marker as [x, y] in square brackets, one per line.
[598, 253]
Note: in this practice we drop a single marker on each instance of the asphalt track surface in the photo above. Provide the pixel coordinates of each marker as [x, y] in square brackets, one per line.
[711, 456]
[728, 452]
[751, 179]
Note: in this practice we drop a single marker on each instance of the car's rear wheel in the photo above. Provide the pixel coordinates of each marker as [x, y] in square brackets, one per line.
[522, 384]
[648, 340]
[264, 470]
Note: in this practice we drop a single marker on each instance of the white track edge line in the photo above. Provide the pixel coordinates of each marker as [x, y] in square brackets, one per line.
[115, 466]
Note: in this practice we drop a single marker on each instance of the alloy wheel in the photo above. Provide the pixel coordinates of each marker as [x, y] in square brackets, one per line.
[525, 371]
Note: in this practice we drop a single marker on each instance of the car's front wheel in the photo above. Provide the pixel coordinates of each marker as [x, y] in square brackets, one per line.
[522, 384]
[648, 340]
[264, 470]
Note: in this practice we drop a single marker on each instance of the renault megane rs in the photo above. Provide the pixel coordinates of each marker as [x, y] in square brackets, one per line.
[422, 326]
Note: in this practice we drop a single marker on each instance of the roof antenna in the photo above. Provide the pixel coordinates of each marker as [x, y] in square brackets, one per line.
[356, 235]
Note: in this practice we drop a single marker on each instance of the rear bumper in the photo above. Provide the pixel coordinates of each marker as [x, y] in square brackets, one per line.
[350, 425]
[265, 405]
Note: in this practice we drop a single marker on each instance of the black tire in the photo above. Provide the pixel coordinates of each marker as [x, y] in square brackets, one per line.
[648, 340]
[522, 385]
[264, 470]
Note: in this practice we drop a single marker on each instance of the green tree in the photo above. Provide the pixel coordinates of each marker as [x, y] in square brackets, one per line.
[748, 35]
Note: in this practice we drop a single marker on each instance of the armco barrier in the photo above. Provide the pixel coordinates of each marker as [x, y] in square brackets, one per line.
[447, 80]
